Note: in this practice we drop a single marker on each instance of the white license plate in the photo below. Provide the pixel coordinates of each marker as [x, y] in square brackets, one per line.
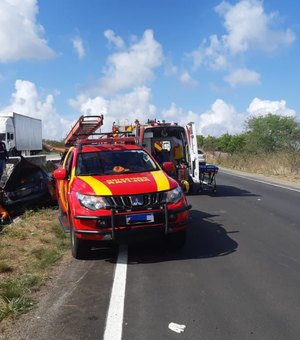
[139, 218]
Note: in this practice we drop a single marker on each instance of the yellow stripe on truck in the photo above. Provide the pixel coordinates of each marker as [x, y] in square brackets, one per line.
[161, 180]
[98, 187]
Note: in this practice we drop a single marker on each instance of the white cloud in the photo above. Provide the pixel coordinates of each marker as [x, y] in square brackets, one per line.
[170, 68]
[260, 107]
[221, 118]
[243, 77]
[78, 47]
[114, 39]
[224, 118]
[187, 80]
[27, 101]
[122, 93]
[133, 66]
[210, 54]
[249, 26]
[179, 115]
[20, 34]
[172, 112]
[129, 106]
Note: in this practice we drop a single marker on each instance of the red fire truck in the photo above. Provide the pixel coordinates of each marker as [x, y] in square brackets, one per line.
[109, 186]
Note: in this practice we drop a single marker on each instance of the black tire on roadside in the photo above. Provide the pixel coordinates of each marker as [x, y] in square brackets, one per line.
[80, 248]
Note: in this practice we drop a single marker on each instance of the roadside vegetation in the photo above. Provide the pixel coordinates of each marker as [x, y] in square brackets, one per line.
[270, 146]
[29, 249]
[54, 143]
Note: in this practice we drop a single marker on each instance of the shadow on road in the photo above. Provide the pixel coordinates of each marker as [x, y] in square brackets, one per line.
[205, 239]
[225, 191]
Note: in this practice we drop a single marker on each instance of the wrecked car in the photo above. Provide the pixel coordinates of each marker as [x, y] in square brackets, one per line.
[24, 185]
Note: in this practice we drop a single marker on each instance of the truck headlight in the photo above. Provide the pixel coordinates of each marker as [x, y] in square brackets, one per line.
[175, 195]
[91, 202]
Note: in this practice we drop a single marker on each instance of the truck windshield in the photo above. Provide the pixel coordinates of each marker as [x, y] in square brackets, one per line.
[114, 162]
[2, 136]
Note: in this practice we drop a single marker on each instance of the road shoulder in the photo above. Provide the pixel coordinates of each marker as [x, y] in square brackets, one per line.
[267, 179]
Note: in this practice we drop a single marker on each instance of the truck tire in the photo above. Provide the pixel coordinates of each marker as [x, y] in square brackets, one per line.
[192, 186]
[80, 248]
[176, 241]
[191, 189]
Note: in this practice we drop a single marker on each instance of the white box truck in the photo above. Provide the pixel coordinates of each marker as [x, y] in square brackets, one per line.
[21, 134]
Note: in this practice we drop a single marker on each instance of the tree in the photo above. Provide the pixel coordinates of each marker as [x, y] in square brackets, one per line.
[271, 133]
[224, 142]
[200, 140]
[210, 143]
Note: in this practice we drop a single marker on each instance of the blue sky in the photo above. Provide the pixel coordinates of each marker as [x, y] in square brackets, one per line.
[212, 62]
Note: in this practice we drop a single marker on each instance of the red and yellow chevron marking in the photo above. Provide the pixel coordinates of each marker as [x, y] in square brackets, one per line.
[161, 180]
[99, 187]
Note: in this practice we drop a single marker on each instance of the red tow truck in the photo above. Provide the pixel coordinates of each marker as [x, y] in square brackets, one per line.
[108, 186]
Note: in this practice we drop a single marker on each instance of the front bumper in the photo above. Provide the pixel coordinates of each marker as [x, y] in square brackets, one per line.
[108, 227]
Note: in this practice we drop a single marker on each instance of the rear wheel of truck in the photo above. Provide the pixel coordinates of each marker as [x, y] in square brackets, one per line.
[191, 186]
[176, 241]
[80, 248]
[191, 189]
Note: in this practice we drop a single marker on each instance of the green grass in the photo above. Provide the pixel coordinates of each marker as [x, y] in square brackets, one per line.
[11, 231]
[29, 250]
[13, 299]
[14, 306]
[45, 258]
[16, 287]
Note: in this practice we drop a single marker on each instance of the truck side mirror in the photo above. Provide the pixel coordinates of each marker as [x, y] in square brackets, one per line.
[169, 167]
[60, 174]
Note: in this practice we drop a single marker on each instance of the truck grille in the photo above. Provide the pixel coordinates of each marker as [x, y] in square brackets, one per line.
[136, 202]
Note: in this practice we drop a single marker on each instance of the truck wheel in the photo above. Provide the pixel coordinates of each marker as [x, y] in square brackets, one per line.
[176, 241]
[191, 189]
[80, 248]
[191, 186]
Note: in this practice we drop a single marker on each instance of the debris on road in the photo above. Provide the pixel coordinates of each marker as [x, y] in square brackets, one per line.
[175, 327]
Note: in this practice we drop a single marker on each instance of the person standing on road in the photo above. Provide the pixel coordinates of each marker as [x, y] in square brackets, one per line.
[3, 157]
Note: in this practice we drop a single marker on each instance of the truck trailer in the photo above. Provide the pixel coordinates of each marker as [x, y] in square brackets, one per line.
[21, 134]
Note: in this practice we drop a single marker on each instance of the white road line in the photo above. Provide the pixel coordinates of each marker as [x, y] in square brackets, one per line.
[114, 320]
[264, 182]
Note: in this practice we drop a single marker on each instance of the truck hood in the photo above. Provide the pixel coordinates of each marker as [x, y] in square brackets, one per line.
[124, 184]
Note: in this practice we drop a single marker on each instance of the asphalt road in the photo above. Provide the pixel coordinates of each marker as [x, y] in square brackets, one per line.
[238, 277]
